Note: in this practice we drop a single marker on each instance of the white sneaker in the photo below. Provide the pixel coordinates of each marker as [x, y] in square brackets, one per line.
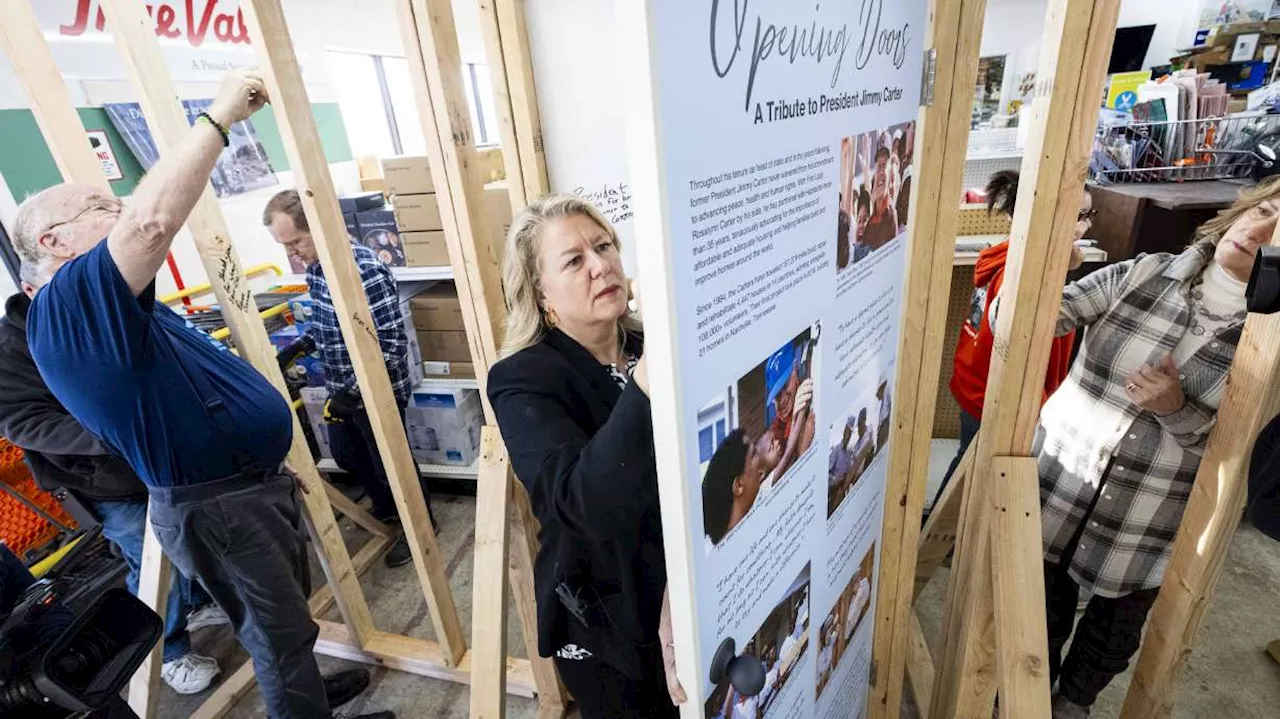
[189, 673]
[210, 615]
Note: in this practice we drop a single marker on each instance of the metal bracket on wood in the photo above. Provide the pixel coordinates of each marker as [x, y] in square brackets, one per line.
[928, 75]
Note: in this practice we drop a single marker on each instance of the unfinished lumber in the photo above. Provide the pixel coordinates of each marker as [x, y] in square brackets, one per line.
[953, 34]
[502, 104]
[920, 671]
[489, 637]
[518, 68]
[416, 656]
[279, 65]
[1062, 119]
[1212, 515]
[32, 61]
[938, 537]
[357, 514]
[153, 589]
[1017, 566]
[435, 67]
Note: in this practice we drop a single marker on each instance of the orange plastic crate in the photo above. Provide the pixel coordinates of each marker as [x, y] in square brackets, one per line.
[22, 529]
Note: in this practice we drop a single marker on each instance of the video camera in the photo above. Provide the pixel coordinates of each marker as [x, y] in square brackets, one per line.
[1263, 292]
[63, 655]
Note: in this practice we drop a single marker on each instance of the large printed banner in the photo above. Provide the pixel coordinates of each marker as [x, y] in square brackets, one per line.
[785, 135]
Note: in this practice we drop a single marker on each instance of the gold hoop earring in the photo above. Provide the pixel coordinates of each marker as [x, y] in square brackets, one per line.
[551, 318]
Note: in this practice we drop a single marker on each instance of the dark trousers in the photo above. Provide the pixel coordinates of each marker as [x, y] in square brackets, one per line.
[602, 692]
[356, 450]
[124, 524]
[1107, 637]
[242, 537]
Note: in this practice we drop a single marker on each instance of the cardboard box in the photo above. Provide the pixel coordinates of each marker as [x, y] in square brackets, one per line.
[313, 399]
[449, 370]
[407, 175]
[444, 427]
[379, 232]
[373, 184]
[363, 201]
[446, 346]
[353, 230]
[418, 213]
[425, 249]
[437, 308]
[497, 210]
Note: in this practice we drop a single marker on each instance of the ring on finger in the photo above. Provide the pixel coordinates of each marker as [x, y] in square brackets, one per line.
[1131, 386]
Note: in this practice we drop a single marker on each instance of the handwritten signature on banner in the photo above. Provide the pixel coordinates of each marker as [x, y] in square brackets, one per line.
[613, 200]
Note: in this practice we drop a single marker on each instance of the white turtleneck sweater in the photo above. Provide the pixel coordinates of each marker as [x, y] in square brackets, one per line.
[1223, 296]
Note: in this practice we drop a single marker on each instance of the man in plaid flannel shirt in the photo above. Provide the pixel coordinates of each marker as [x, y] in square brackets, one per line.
[350, 433]
[1119, 444]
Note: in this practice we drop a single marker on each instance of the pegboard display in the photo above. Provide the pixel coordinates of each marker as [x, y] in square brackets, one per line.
[946, 416]
[978, 171]
[974, 220]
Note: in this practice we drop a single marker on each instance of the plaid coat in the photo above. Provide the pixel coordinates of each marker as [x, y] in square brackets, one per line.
[1102, 459]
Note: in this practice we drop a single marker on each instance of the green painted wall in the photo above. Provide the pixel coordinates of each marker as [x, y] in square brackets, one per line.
[28, 166]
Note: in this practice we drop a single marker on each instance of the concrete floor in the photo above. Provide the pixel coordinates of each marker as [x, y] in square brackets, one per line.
[1229, 673]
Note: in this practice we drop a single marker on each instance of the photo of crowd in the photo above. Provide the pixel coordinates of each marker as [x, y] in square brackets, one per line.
[875, 191]
[752, 434]
[846, 616]
[781, 640]
[856, 440]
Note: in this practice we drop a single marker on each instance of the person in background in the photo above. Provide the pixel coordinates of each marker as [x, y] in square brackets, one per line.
[886, 414]
[571, 397]
[882, 226]
[860, 248]
[351, 437]
[842, 239]
[64, 457]
[1119, 443]
[204, 431]
[738, 472]
[902, 141]
[973, 350]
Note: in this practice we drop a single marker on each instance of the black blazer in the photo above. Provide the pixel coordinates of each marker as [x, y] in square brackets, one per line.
[584, 450]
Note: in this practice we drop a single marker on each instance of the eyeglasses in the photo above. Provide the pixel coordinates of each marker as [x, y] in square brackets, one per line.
[1086, 215]
[109, 206]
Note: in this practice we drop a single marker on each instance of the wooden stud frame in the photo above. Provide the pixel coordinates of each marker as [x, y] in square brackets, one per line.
[1062, 122]
[954, 32]
[357, 637]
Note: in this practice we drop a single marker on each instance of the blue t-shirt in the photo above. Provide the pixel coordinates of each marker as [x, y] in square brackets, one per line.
[178, 406]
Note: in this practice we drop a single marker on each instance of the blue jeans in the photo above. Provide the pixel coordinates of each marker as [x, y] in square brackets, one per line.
[123, 523]
[968, 428]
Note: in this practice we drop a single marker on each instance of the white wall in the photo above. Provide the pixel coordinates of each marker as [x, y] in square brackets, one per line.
[95, 75]
[1014, 27]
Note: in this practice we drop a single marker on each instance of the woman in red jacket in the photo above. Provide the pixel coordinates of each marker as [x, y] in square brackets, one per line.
[973, 351]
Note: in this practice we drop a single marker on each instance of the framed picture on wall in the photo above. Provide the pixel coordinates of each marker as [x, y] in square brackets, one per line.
[988, 90]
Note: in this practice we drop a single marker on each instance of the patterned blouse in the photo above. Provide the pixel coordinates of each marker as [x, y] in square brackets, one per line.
[1143, 465]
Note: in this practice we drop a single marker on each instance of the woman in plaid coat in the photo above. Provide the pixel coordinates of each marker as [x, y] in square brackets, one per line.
[1120, 442]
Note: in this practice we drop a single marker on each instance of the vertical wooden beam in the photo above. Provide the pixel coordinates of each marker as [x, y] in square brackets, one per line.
[489, 637]
[553, 698]
[431, 45]
[153, 589]
[502, 104]
[266, 23]
[1017, 565]
[518, 64]
[1077, 40]
[954, 32]
[1212, 515]
[33, 63]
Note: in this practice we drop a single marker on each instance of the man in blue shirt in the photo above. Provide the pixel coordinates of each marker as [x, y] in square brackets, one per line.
[205, 432]
[351, 437]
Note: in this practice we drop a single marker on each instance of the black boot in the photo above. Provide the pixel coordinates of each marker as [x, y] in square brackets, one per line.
[344, 686]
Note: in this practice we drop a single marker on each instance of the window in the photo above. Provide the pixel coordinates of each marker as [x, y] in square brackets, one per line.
[375, 96]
